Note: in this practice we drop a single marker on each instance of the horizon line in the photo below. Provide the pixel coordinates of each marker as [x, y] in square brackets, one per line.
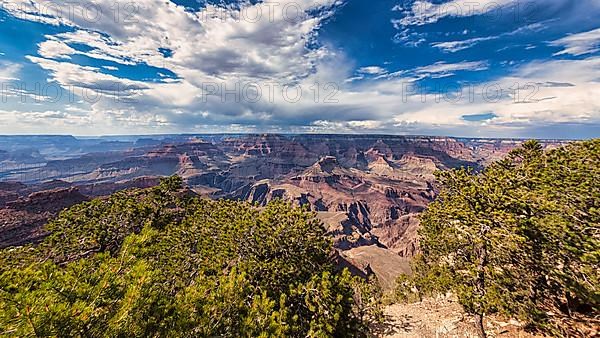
[293, 134]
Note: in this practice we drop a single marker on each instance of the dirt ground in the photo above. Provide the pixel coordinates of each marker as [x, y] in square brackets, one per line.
[441, 318]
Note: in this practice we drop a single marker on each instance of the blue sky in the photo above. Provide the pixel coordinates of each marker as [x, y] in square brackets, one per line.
[478, 68]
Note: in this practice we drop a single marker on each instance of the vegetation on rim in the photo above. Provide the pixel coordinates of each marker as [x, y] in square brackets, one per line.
[156, 263]
[521, 238]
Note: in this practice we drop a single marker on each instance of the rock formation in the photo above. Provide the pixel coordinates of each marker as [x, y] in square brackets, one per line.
[367, 189]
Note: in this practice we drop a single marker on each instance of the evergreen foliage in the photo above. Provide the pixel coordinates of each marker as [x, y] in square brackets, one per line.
[521, 238]
[156, 263]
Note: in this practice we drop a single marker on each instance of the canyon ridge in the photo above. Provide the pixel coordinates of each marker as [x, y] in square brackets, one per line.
[368, 190]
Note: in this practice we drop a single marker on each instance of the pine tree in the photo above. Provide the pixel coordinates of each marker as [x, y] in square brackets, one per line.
[520, 238]
[155, 263]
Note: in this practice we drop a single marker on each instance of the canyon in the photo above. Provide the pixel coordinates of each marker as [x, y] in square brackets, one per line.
[368, 190]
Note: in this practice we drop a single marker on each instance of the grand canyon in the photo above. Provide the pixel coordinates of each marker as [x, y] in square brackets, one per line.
[367, 189]
[299, 168]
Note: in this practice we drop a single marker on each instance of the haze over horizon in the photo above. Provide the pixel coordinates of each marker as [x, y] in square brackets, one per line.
[504, 68]
[290, 134]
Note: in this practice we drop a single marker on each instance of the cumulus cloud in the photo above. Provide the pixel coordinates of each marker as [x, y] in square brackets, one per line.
[267, 39]
[234, 72]
[534, 96]
[88, 79]
[54, 49]
[227, 47]
[530, 97]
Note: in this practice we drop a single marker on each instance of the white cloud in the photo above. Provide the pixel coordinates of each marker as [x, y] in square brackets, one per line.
[408, 38]
[446, 69]
[225, 46]
[551, 92]
[542, 98]
[55, 49]
[227, 51]
[326, 126]
[88, 81]
[372, 70]
[426, 12]
[437, 70]
[9, 71]
[455, 46]
[579, 44]
[39, 122]
[231, 43]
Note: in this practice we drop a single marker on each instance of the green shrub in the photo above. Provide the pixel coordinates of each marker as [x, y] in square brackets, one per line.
[154, 263]
[521, 238]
